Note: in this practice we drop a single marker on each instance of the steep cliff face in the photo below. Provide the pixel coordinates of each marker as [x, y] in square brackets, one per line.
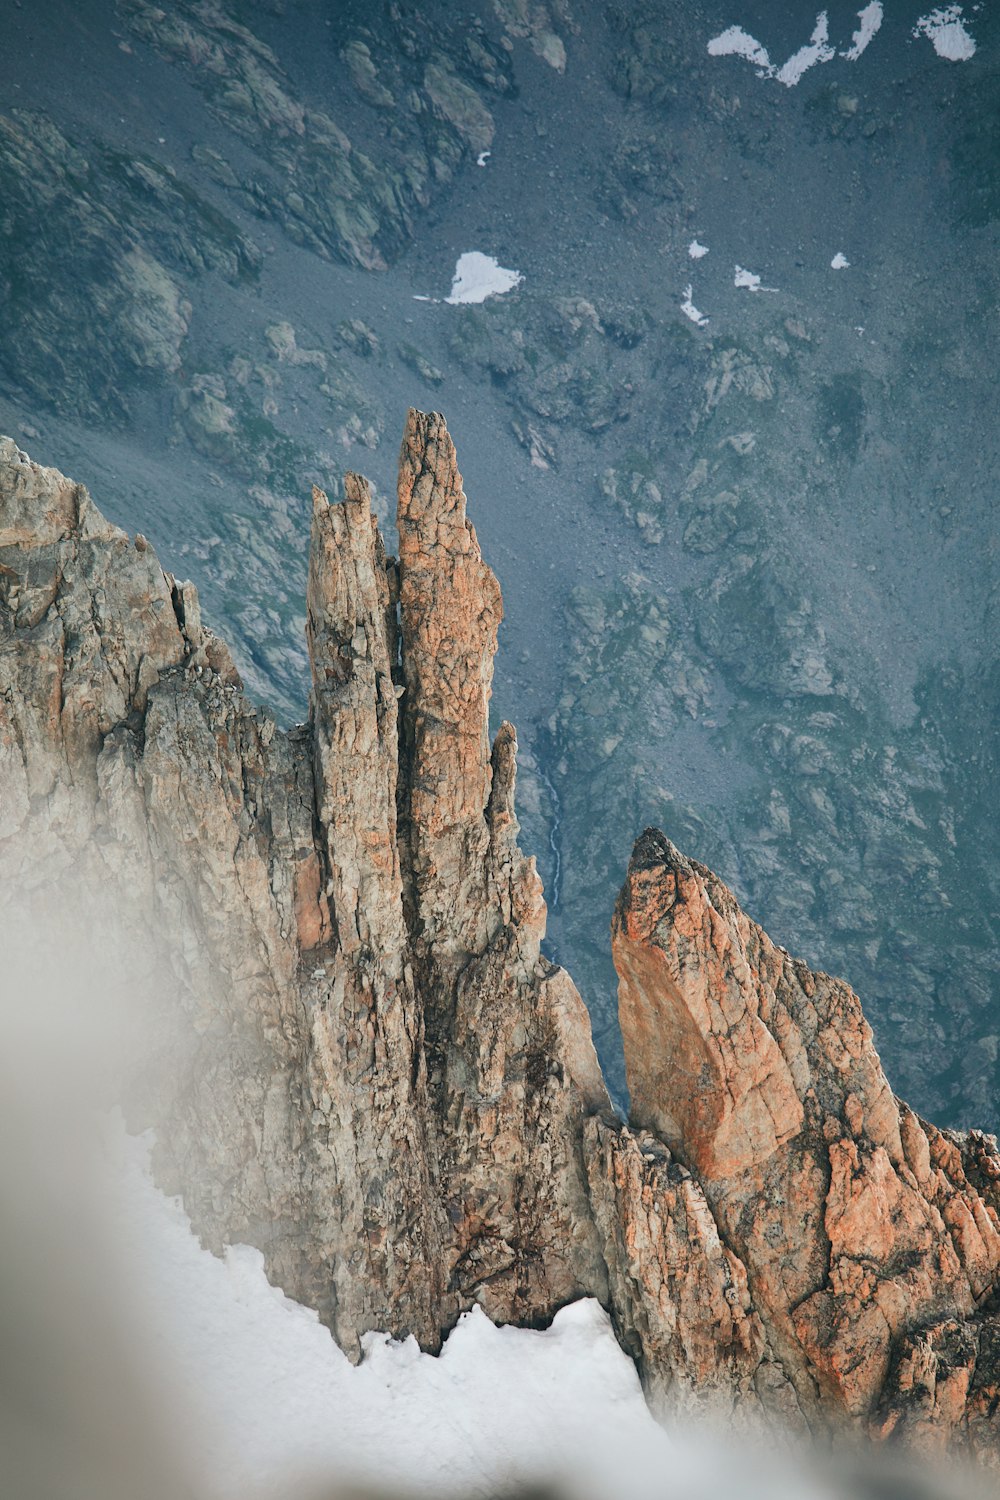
[373, 1084]
[849, 1252]
[363, 1064]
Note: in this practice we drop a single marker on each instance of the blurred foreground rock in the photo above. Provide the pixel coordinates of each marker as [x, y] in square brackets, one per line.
[362, 1063]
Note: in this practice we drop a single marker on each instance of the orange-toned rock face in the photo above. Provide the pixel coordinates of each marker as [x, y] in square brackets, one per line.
[855, 1224]
[387, 1087]
[385, 1080]
[702, 1067]
[354, 710]
[450, 612]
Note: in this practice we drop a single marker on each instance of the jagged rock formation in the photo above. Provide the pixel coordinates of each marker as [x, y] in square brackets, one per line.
[846, 1253]
[374, 1074]
[804, 465]
[374, 1089]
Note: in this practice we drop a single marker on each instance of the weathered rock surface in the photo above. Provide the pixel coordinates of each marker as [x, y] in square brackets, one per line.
[326, 193]
[376, 1090]
[363, 1064]
[845, 1252]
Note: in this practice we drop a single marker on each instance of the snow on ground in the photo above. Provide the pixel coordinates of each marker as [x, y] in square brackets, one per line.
[750, 280]
[818, 50]
[946, 31]
[870, 19]
[261, 1398]
[735, 42]
[479, 276]
[696, 251]
[944, 27]
[840, 262]
[690, 311]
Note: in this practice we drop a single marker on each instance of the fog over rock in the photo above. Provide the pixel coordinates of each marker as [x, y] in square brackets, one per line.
[357, 1057]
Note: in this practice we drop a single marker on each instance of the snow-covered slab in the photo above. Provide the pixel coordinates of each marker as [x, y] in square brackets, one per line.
[749, 280]
[943, 26]
[478, 276]
[818, 50]
[869, 21]
[735, 42]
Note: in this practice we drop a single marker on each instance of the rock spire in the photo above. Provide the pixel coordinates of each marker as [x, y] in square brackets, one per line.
[357, 1057]
[847, 1253]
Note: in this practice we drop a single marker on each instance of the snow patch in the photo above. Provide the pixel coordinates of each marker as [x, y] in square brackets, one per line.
[750, 280]
[946, 31]
[735, 42]
[696, 251]
[690, 311]
[479, 276]
[943, 27]
[483, 158]
[870, 20]
[840, 262]
[253, 1388]
[818, 50]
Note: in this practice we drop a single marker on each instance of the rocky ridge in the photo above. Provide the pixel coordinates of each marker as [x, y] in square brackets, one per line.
[379, 1079]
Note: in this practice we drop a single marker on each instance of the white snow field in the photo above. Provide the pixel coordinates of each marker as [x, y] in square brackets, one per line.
[749, 280]
[689, 310]
[870, 19]
[735, 42]
[267, 1401]
[946, 31]
[478, 276]
[818, 50]
[142, 1367]
[260, 1402]
[943, 27]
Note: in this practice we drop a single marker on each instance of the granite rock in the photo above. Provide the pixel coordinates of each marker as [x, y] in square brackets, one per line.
[858, 1247]
[356, 1055]
[370, 1072]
